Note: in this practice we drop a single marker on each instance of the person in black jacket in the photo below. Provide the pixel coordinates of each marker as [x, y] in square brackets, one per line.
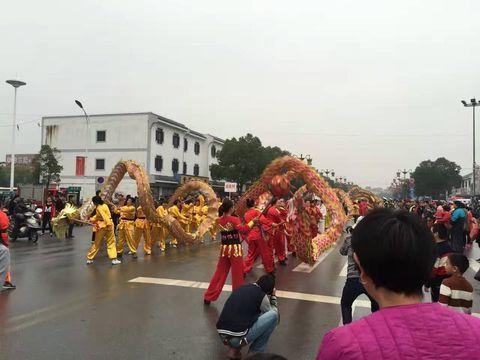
[249, 317]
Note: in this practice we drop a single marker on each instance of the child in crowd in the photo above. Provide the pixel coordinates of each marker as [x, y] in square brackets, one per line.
[456, 292]
[439, 272]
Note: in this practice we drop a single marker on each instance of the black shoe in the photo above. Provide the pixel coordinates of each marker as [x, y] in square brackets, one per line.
[206, 302]
[119, 256]
[283, 262]
[7, 285]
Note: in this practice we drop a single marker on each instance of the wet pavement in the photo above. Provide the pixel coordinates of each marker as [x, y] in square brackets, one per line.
[63, 309]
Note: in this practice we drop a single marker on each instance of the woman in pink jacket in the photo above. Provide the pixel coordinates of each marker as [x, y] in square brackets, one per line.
[395, 255]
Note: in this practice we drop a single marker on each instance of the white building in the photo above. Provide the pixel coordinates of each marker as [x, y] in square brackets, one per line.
[167, 149]
[466, 186]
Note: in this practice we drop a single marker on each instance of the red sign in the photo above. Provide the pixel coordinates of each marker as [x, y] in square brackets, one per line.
[80, 166]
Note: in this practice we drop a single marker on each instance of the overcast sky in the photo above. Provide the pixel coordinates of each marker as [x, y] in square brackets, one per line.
[364, 87]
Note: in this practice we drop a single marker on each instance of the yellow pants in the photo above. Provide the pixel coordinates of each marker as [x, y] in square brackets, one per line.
[159, 233]
[125, 230]
[109, 235]
[147, 239]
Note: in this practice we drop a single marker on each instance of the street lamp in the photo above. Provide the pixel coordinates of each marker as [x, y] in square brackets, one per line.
[473, 104]
[87, 131]
[16, 84]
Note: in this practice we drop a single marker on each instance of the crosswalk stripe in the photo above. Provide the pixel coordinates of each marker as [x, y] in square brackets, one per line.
[228, 288]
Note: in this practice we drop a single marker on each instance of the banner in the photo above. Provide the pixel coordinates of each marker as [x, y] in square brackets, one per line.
[230, 187]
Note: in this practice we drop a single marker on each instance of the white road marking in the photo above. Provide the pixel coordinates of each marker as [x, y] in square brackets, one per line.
[343, 272]
[227, 288]
[303, 267]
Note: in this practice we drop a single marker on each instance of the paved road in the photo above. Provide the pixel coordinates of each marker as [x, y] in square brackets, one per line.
[64, 309]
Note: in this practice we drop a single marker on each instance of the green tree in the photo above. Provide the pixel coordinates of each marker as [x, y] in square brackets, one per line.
[48, 167]
[243, 160]
[434, 178]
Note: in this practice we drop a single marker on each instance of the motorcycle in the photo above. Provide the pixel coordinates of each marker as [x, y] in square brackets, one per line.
[25, 225]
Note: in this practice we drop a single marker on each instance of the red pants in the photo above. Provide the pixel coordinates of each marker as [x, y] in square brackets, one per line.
[259, 247]
[279, 245]
[221, 273]
[290, 246]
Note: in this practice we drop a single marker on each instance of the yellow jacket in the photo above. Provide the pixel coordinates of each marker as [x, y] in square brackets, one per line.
[141, 222]
[187, 210]
[127, 212]
[102, 217]
[175, 212]
[161, 211]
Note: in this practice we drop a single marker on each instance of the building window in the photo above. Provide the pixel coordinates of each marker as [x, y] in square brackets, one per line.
[175, 166]
[196, 170]
[213, 151]
[158, 163]
[176, 140]
[184, 168]
[185, 144]
[159, 136]
[99, 164]
[101, 135]
[197, 148]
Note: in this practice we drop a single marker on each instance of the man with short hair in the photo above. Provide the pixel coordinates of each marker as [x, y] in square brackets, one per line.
[249, 317]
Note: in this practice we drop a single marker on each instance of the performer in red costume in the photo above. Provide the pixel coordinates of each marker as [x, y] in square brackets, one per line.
[257, 244]
[280, 237]
[231, 251]
[275, 239]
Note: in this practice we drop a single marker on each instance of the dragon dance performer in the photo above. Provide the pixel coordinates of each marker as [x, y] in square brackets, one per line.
[142, 229]
[257, 244]
[291, 225]
[276, 238]
[200, 212]
[175, 212]
[280, 238]
[187, 212]
[126, 227]
[159, 231]
[103, 224]
[230, 252]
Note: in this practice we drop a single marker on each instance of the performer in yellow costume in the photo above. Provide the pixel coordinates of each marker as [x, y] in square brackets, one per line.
[126, 227]
[142, 229]
[200, 214]
[159, 231]
[214, 228]
[103, 223]
[187, 212]
[175, 212]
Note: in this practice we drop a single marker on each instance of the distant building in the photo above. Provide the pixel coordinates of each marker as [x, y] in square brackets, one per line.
[466, 187]
[168, 150]
[21, 159]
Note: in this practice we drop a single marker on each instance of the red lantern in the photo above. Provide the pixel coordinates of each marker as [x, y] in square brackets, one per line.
[279, 186]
